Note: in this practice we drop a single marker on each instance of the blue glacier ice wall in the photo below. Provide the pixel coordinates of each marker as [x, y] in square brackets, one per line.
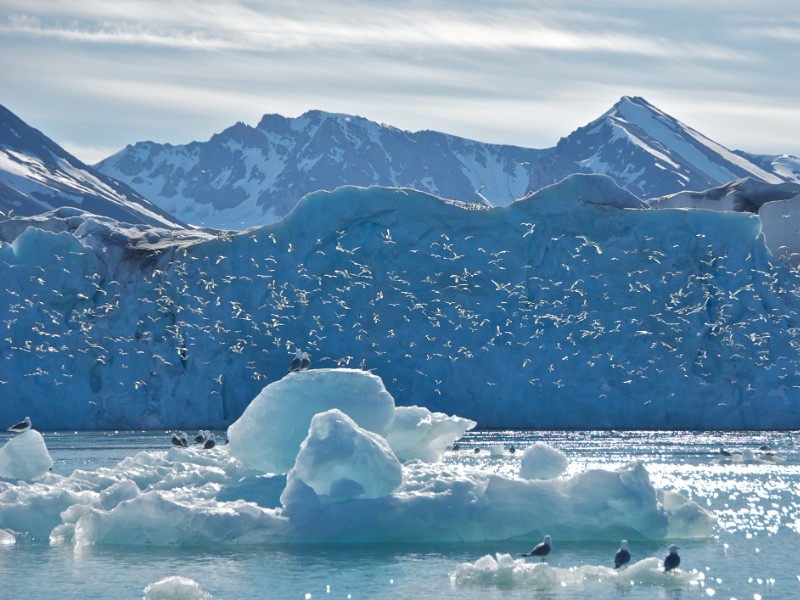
[563, 310]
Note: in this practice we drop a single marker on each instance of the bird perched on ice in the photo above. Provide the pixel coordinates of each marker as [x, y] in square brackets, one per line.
[541, 549]
[23, 425]
[724, 452]
[622, 557]
[305, 361]
[201, 437]
[210, 442]
[180, 440]
[672, 560]
[296, 363]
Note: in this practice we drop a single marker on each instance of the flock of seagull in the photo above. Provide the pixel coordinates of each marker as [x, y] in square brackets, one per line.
[204, 439]
[621, 558]
[615, 316]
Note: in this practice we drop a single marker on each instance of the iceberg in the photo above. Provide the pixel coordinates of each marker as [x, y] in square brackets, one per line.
[345, 485]
[342, 461]
[542, 461]
[25, 457]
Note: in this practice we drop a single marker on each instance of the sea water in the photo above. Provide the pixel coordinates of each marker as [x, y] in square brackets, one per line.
[752, 554]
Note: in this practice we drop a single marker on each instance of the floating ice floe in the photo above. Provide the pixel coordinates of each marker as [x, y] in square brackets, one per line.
[542, 461]
[344, 485]
[7, 538]
[175, 588]
[505, 572]
[25, 457]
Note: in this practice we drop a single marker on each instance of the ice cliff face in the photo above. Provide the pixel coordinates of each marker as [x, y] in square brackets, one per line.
[37, 175]
[248, 176]
[565, 310]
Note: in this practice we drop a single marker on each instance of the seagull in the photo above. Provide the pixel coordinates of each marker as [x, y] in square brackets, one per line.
[512, 449]
[23, 425]
[210, 442]
[622, 557]
[541, 549]
[179, 439]
[672, 560]
[305, 361]
[724, 452]
[297, 362]
[201, 437]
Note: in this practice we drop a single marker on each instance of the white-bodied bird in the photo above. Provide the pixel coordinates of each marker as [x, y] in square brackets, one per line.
[23, 425]
[541, 549]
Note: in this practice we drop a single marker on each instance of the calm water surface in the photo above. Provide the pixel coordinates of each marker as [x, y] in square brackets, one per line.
[753, 554]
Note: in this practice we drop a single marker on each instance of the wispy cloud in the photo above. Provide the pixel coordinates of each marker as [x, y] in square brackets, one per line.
[234, 26]
[506, 71]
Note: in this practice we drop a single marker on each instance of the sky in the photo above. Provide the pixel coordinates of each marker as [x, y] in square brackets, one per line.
[97, 75]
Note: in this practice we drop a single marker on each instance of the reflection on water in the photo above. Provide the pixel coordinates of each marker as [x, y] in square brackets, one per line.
[756, 500]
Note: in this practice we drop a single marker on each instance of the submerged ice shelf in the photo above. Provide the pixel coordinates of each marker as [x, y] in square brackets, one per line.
[345, 486]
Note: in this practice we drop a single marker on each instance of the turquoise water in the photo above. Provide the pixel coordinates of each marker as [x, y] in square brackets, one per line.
[751, 555]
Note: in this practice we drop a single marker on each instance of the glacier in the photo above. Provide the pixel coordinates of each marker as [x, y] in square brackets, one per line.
[568, 309]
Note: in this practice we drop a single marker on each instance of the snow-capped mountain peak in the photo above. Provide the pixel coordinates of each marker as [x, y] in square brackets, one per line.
[37, 175]
[647, 152]
[246, 176]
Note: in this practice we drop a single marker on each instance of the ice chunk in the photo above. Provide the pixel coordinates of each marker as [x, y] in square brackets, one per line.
[175, 588]
[268, 435]
[508, 573]
[25, 456]
[542, 461]
[417, 433]
[7, 538]
[341, 461]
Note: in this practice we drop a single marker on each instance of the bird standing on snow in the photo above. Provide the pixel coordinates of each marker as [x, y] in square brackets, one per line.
[622, 557]
[672, 560]
[305, 361]
[23, 425]
[210, 442]
[541, 549]
[201, 437]
[180, 440]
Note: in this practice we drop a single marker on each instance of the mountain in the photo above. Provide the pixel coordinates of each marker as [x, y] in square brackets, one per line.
[566, 310]
[248, 176]
[647, 152]
[38, 175]
[783, 165]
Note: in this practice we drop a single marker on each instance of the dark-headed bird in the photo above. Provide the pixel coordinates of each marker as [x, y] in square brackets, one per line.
[672, 560]
[23, 425]
[541, 549]
[622, 557]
